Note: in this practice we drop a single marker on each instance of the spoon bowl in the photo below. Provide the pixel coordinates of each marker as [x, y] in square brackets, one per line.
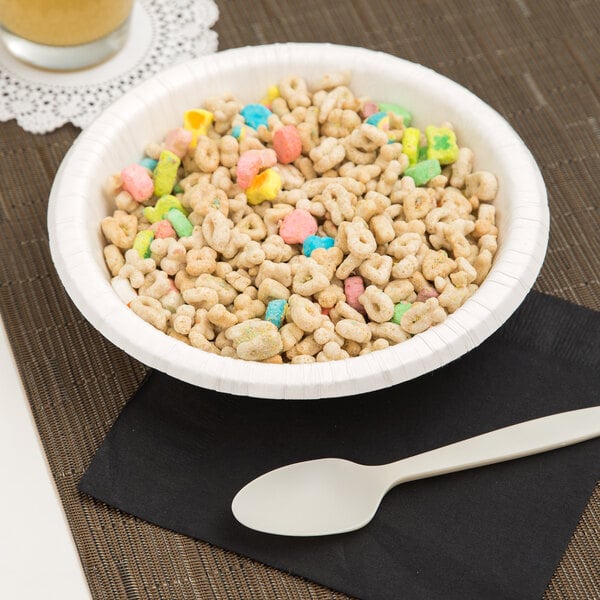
[314, 497]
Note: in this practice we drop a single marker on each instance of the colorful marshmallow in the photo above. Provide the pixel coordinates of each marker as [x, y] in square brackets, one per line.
[297, 226]
[137, 181]
[163, 229]
[165, 173]
[312, 242]
[178, 141]
[265, 186]
[142, 242]
[256, 115]
[399, 310]
[198, 122]
[411, 139]
[275, 312]
[122, 287]
[424, 171]
[251, 162]
[354, 288]
[287, 144]
[441, 144]
[181, 224]
[163, 206]
[387, 107]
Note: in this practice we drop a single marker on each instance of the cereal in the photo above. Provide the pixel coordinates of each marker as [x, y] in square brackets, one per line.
[312, 242]
[142, 241]
[287, 144]
[297, 226]
[163, 206]
[255, 115]
[309, 227]
[441, 145]
[276, 312]
[265, 186]
[197, 122]
[179, 222]
[165, 173]
[137, 181]
[423, 171]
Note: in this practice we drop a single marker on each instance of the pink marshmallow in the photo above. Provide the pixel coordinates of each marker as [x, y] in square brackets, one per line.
[369, 108]
[354, 287]
[137, 181]
[178, 141]
[425, 293]
[287, 144]
[163, 229]
[297, 226]
[251, 162]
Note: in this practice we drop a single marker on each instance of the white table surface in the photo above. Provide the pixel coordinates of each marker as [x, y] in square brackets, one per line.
[38, 559]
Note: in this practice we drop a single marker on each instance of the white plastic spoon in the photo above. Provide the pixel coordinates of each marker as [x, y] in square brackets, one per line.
[332, 495]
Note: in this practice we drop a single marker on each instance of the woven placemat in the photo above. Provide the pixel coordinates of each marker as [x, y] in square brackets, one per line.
[537, 62]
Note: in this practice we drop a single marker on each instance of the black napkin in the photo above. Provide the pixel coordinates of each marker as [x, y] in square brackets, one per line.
[178, 454]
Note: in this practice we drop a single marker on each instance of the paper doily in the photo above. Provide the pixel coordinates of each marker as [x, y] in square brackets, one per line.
[162, 33]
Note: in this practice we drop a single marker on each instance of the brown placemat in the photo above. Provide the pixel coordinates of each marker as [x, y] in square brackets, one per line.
[535, 61]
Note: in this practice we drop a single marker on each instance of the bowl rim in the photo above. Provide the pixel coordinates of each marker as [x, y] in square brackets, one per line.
[496, 299]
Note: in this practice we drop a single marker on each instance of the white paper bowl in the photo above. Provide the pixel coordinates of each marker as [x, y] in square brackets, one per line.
[118, 136]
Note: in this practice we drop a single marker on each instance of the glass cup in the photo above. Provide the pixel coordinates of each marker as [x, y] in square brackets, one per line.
[64, 34]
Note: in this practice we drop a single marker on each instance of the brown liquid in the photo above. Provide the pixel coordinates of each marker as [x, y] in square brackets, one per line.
[63, 22]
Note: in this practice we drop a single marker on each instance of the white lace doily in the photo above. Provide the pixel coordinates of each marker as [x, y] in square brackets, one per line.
[162, 33]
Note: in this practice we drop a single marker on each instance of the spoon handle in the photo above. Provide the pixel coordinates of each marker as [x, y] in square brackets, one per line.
[515, 441]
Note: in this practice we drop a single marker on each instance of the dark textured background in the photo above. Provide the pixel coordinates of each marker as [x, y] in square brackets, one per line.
[536, 61]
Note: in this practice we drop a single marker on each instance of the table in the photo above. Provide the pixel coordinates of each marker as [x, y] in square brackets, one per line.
[537, 63]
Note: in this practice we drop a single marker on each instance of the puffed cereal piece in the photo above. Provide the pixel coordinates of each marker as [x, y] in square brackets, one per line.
[400, 290]
[327, 155]
[330, 296]
[462, 167]
[353, 330]
[120, 229]
[422, 315]
[114, 259]
[136, 268]
[304, 313]
[417, 204]
[378, 306]
[281, 272]
[246, 307]
[437, 264]
[255, 339]
[270, 289]
[156, 285]
[182, 319]
[482, 184]
[377, 269]
[309, 279]
[332, 351]
[151, 311]
[392, 332]
[201, 297]
[219, 316]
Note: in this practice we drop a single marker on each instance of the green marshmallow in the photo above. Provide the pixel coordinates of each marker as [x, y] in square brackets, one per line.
[399, 310]
[397, 109]
[180, 223]
[424, 171]
[142, 242]
[163, 206]
[422, 154]
[165, 173]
